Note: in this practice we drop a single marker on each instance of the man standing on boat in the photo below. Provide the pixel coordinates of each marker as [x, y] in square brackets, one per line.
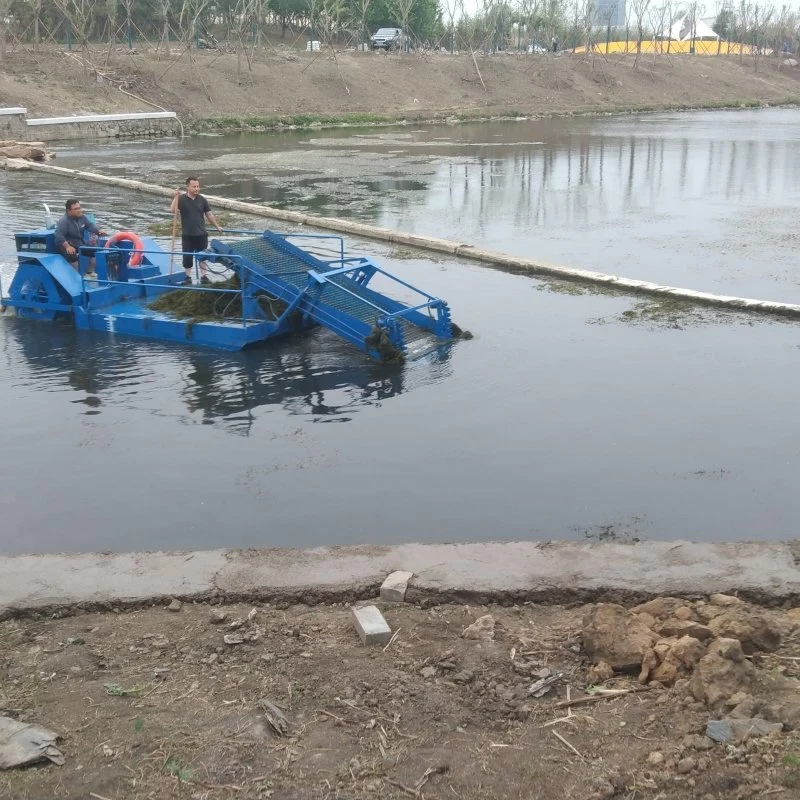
[69, 234]
[194, 211]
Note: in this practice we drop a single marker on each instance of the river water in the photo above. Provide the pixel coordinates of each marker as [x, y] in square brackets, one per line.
[572, 414]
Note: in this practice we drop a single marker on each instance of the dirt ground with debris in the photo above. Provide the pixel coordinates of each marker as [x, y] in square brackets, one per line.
[158, 703]
[283, 80]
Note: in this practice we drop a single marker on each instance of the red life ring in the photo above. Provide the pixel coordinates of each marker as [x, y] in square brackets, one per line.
[138, 245]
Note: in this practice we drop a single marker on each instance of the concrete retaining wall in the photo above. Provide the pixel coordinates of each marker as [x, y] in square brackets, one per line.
[12, 124]
[103, 126]
[545, 572]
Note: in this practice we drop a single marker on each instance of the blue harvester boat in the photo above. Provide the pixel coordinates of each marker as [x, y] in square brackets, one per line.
[278, 287]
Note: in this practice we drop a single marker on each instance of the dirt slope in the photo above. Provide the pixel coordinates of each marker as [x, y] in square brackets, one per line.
[160, 703]
[285, 82]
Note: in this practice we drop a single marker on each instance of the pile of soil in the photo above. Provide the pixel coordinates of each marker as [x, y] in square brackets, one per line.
[188, 701]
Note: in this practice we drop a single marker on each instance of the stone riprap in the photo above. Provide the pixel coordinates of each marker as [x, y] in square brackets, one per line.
[15, 125]
[104, 126]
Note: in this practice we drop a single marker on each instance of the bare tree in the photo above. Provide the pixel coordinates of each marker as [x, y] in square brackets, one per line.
[403, 9]
[761, 17]
[639, 8]
[37, 16]
[587, 14]
[128, 18]
[743, 18]
[79, 15]
[658, 21]
[5, 6]
[361, 8]
[164, 7]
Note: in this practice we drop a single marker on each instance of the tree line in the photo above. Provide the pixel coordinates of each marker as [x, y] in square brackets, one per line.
[496, 25]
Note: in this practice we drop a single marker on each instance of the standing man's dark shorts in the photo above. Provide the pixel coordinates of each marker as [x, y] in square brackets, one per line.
[191, 245]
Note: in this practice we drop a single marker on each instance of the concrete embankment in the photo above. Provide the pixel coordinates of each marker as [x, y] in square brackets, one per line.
[544, 572]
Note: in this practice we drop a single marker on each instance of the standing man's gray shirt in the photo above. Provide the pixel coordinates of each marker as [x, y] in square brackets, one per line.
[70, 230]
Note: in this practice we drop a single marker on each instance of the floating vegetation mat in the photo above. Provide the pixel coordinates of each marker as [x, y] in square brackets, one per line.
[209, 305]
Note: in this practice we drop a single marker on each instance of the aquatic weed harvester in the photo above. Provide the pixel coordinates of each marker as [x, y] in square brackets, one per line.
[272, 287]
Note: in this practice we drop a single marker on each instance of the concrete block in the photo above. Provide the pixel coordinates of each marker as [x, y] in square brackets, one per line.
[394, 587]
[371, 626]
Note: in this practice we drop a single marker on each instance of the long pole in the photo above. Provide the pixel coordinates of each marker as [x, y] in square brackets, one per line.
[174, 235]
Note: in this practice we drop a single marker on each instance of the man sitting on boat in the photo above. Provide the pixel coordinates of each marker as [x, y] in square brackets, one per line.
[69, 234]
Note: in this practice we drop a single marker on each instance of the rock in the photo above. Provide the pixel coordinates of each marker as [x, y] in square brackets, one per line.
[482, 628]
[724, 600]
[721, 673]
[678, 627]
[233, 638]
[393, 589]
[753, 628]
[175, 605]
[739, 730]
[659, 607]
[706, 612]
[697, 742]
[684, 613]
[599, 673]
[793, 615]
[217, 615]
[655, 758]
[427, 672]
[646, 619]
[789, 62]
[680, 659]
[686, 765]
[613, 634]
[22, 744]
[745, 708]
[650, 661]
[371, 626]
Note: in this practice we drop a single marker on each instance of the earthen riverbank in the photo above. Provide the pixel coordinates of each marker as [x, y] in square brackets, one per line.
[276, 697]
[285, 86]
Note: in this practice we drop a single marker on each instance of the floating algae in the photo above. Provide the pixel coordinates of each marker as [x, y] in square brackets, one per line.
[210, 305]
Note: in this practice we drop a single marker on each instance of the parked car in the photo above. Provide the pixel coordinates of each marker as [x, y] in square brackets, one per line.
[387, 39]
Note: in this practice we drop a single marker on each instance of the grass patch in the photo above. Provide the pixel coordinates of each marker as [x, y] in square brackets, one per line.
[259, 123]
[228, 123]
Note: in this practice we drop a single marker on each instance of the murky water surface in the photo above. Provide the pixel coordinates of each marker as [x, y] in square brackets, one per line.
[571, 414]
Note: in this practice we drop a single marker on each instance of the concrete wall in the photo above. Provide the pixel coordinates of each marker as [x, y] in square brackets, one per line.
[103, 126]
[12, 124]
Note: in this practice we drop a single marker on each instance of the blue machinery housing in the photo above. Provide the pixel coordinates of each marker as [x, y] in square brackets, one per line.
[268, 267]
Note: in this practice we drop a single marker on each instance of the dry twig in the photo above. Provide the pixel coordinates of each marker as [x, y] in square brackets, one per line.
[566, 743]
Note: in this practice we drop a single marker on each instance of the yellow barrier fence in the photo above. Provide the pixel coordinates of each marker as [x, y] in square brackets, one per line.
[665, 47]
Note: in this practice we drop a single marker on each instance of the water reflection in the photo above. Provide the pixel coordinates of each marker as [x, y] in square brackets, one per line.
[676, 198]
[229, 389]
[309, 377]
